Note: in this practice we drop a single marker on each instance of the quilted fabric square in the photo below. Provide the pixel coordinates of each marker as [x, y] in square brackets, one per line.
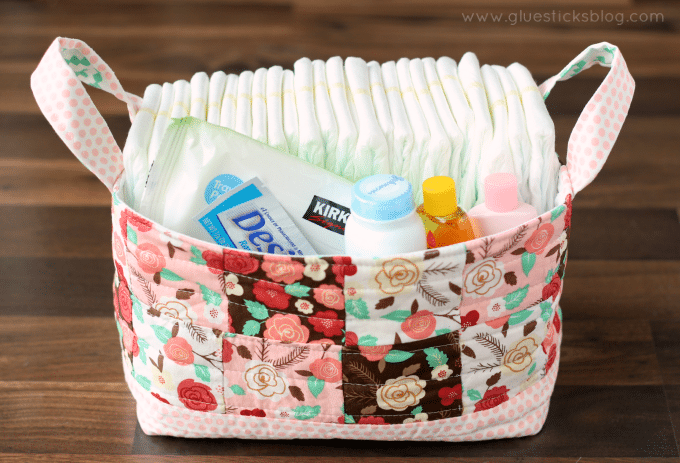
[282, 380]
[409, 382]
[403, 299]
[501, 360]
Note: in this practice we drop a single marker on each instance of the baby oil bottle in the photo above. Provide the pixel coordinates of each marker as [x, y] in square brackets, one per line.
[445, 223]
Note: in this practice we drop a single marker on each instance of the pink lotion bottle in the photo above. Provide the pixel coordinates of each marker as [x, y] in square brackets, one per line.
[501, 209]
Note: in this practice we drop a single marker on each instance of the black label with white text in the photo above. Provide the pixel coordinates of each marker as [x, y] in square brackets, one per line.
[327, 214]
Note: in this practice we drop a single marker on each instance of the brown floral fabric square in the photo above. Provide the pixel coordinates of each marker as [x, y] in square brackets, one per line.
[417, 381]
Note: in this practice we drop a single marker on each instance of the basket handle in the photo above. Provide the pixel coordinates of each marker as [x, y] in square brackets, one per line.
[57, 86]
[599, 124]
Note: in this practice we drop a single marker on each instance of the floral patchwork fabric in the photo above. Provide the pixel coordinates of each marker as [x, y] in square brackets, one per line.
[403, 299]
[512, 271]
[417, 381]
[397, 340]
[282, 380]
[500, 361]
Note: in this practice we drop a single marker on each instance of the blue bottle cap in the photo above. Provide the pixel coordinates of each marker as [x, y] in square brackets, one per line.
[382, 197]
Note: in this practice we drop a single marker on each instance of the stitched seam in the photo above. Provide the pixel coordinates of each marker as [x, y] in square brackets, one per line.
[289, 313]
[417, 350]
[384, 384]
[287, 345]
[409, 414]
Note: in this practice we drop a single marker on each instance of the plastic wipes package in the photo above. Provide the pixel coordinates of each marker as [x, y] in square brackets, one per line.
[198, 162]
[250, 218]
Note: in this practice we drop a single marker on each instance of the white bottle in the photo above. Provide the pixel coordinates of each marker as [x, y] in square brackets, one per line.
[501, 209]
[383, 219]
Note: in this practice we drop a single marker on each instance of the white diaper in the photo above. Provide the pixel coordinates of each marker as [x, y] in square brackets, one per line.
[372, 155]
[218, 82]
[135, 153]
[162, 122]
[403, 136]
[275, 134]
[228, 109]
[421, 164]
[324, 112]
[244, 118]
[471, 80]
[347, 131]
[259, 107]
[199, 95]
[311, 144]
[290, 114]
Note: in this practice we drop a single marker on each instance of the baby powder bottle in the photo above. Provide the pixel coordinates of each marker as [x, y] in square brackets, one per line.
[501, 209]
[383, 219]
[445, 222]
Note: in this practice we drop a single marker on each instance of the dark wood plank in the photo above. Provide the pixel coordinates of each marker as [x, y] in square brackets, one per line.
[73, 349]
[56, 286]
[673, 398]
[56, 182]
[602, 290]
[584, 421]
[625, 234]
[30, 136]
[41, 231]
[666, 335]
[73, 458]
[608, 353]
[54, 417]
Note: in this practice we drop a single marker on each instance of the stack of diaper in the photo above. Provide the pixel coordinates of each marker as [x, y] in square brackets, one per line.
[415, 118]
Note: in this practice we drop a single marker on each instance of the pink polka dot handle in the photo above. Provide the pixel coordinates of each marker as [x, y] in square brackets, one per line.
[599, 125]
[57, 85]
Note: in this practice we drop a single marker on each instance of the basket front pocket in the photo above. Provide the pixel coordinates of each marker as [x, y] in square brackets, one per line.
[294, 381]
[416, 381]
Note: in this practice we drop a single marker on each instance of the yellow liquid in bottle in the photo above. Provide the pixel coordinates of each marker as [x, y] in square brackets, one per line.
[443, 231]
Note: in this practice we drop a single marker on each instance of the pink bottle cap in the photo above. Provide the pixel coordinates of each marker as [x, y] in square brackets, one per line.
[501, 192]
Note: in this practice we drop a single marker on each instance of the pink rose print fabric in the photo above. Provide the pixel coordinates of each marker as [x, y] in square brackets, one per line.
[293, 381]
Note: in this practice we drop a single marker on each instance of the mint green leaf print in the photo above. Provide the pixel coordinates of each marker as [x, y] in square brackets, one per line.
[315, 385]
[297, 290]
[435, 357]
[418, 409]
[306, 412]
[198, 258]
[202, 372]
[548, 277]
[142, 350]
[257, 310]
[251, 328]
[170, 276]
[162, 333]
[236, 389]
[132, 234]
[519, 317]
[557, 212]
[357, 308]
[397, 315]
[474, 395]
[528, 261]
[441, 331]
[349, 419]
[137, 308]
[398, 356]
[546, 310]
[143, 381]
[368, 340]
[210, 296]
[515, 298]
[531, 370]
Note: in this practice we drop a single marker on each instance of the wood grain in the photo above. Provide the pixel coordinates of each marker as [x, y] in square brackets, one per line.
[666, 335]
[56, 286]
[63, 349]
[46, 417]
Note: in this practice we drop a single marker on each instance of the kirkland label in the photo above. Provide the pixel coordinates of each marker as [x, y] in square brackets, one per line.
[327, 214]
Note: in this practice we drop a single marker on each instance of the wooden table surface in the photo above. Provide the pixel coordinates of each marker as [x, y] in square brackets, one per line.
[62, 392]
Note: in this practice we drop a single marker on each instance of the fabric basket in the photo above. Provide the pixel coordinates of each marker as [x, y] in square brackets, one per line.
[457, 343]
